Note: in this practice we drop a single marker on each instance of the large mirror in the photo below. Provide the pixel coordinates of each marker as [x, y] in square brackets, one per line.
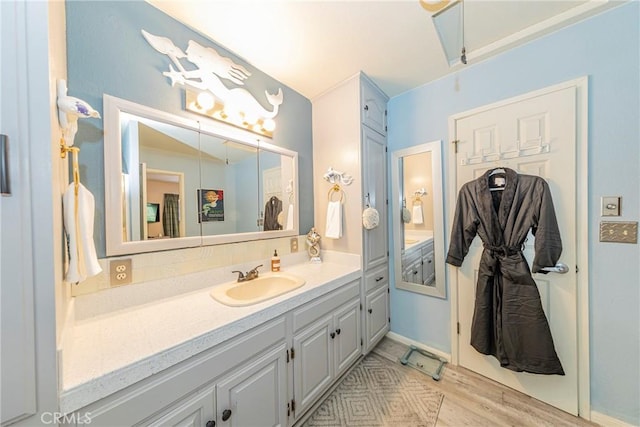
[417, 215]
[173, 183]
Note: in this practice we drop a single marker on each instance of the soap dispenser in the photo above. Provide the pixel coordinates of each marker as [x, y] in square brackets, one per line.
[275, 261]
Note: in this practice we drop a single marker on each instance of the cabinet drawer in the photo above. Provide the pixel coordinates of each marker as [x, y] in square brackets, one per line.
[376, 278]
[323, 305]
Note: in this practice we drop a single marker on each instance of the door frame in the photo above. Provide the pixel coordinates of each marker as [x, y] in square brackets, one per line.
[582, 231]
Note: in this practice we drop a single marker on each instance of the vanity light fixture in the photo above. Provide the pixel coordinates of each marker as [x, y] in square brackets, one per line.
[206, 94]
[205, 104]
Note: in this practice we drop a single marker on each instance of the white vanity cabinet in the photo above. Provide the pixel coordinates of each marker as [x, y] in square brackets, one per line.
[269, 375]
[233, 384]
[253, 394]
[326, 342]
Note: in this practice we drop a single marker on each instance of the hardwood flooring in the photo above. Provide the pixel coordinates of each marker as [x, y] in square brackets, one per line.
[473, 400]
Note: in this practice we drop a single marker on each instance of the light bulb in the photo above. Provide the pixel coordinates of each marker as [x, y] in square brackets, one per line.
[269, 125]
[205, 101]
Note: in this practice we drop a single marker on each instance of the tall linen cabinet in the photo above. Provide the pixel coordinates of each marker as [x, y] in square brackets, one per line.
[349, 135]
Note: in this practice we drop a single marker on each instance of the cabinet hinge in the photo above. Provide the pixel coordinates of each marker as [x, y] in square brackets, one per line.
[288, 409]
[387, 290]
[287, 355]
[360, 306]
[389, 319]
[293, 353]
[386, 150]
[293, 405]
[455, 143]
[387, 253]
[361, 342]
[458, 327]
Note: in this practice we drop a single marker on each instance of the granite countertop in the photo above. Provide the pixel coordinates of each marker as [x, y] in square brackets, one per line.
[105, 350]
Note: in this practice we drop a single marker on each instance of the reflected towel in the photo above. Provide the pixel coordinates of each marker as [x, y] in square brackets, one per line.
[417, 214]
[289, 217]
[334, 220]
[78, 225]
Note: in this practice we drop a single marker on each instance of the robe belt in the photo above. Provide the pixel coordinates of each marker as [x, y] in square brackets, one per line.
[503, 250]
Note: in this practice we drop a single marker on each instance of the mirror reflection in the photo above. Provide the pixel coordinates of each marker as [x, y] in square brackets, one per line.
[158, 162]
[172, 182]
[418, 219]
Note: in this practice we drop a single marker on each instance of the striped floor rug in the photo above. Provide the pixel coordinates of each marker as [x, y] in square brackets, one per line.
[379, 392]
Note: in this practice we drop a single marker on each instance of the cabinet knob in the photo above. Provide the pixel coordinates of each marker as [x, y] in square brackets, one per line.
[333, 335]
[370, 311]
[379, 278]
[210, 424]
[366, 108]
[226, 414]
[338, 331]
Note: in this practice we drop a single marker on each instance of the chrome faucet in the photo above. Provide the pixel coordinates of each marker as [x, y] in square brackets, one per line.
[249, 275]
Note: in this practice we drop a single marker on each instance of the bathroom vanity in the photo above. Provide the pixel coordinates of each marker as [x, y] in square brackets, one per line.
[418, 264]
[190, 360]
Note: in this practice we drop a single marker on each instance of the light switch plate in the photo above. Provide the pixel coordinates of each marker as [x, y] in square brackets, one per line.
[611, 205]
[619, 232]
[294, 244]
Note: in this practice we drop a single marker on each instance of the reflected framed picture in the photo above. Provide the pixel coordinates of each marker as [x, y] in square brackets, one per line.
[210, 205]
[153, 212]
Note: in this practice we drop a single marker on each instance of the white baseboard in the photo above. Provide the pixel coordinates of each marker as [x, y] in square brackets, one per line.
[607, 421]
[408, 341]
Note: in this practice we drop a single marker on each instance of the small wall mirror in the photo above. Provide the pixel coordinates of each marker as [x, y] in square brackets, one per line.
[418, 223]
[173, 183]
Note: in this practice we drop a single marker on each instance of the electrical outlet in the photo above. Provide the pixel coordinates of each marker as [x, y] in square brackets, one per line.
[294, 244]
[120, 272]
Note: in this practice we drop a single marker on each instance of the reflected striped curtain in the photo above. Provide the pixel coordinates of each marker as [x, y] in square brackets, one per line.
[171, 215]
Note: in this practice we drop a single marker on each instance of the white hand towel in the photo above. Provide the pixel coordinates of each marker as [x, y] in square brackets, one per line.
[334, 220]
[417, 214]
[78, 224]
[289, 217]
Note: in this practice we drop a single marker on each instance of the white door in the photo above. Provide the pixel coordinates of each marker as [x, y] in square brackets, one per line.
[534, 136]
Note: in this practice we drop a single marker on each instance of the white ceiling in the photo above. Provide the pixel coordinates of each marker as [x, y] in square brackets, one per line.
[313, 45]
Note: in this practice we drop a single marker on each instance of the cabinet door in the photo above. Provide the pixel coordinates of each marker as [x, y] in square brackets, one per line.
[196, 411]
[256, 394]
[428, 269]
[374, 108]
[348, 335]
[313, 363]
[375, 195]
[377, 315]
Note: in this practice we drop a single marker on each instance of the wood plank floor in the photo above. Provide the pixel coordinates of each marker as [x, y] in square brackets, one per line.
[473, 400]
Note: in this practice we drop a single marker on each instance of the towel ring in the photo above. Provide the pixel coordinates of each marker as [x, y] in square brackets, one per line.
[336, 188]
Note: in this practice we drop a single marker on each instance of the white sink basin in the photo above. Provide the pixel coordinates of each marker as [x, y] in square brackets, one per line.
[267, 286]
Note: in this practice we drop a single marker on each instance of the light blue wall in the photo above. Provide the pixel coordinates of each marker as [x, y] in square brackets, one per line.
[106, 54]
[606, 49]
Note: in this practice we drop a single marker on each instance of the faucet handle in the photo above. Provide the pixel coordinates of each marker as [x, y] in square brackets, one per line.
[255, 269]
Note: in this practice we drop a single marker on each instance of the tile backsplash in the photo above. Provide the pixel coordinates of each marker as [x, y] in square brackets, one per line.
[161, 265]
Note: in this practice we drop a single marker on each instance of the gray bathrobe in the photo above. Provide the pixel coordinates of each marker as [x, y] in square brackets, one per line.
[508, 320]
